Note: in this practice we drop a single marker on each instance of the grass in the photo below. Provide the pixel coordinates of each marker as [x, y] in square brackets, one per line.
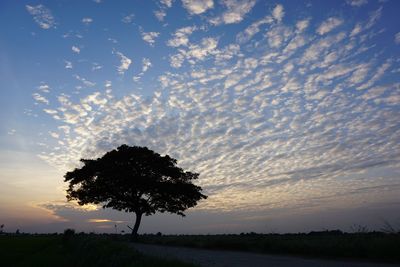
[76, 250]
[374, 246]
[113, 250]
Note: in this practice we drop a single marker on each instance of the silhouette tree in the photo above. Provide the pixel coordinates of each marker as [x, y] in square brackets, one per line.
[134, 179]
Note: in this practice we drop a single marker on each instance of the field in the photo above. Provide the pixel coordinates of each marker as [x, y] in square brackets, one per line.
[115, 250]
[76, 250]
[373, 246]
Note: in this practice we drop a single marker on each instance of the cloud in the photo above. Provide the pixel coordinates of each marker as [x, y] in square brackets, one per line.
[374, 17]
[45, 88]
[235, 11]
[180, 37]
[84, 81]
[252, 30]
[128, 19]
[378, 74]
[328, 25]
[39, 98]
[68, 64]
[99, 220]
[87, 21]
[50, 111]
[125, 63]
[167, 3]
[278, 13]
[356, 30]
[359, 75]
[375, 93]
[357, 3]
[108, 84]
[207, 46]
[160, 14]
[95, 98]
[42, 16]
[96, 66]
[278, 35]
[114, 41]
[12, 132]
[362, 27]
[177, 60]
[146, 64]
[270, 117]
[60, 206]
[397, 38]
[54, 135]
[195, 52]
[75, 49]
[197, 6]
[301, 25]
[150, 37]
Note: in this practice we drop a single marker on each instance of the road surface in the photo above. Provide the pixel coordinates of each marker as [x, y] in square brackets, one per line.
[213, 258]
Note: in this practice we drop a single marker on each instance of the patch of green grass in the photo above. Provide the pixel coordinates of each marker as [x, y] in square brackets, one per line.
[373, 246]
[54, 250]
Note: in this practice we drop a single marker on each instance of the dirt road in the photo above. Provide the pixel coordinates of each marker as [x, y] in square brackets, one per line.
[212, 258]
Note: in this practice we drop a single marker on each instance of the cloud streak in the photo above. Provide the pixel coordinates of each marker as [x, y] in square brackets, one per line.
[328, 25]
[42, 16]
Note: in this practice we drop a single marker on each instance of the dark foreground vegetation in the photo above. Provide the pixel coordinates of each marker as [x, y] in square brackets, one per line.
[73, 250]
[369, 246]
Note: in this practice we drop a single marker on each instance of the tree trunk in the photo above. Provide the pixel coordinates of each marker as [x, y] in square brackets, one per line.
[136, 227]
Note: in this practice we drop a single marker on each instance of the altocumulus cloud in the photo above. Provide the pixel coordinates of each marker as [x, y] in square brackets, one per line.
[125, 63]
[197, 6]
[42, 16]
[235, 11]
[150, 37]
[287, 110]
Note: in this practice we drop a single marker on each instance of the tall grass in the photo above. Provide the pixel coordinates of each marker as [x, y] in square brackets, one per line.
[76, 250]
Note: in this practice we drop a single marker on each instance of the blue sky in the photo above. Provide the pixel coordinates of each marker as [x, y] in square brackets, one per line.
[288, 109]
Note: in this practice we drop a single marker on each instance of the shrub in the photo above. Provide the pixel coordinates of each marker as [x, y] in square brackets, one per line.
[68, 234]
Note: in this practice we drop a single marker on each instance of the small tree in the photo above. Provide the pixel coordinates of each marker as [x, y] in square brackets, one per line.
[134, 179]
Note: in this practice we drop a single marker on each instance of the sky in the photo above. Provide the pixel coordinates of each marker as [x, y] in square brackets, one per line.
[289, 110]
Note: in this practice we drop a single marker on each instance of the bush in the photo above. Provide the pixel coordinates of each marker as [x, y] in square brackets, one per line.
[68, 234]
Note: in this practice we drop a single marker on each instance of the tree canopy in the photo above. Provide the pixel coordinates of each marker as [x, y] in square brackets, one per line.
[134, 179]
